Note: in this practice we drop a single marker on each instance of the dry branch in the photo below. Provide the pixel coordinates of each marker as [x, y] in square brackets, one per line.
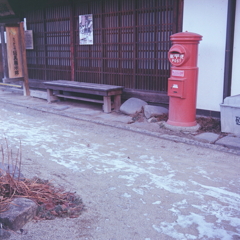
[52, 201]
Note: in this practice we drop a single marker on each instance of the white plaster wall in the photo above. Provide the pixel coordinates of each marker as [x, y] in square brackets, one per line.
[208, 18]
[236, 55]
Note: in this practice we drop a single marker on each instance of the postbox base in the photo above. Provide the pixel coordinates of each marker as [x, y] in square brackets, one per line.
[181, 128]
[182, 124]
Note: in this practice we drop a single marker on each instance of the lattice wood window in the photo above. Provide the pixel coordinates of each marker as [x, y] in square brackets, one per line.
[131, 41]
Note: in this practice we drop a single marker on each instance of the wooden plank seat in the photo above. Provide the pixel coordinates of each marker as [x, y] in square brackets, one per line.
[104, 90]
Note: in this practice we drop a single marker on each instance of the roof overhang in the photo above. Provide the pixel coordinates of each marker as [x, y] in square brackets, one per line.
[5, 9]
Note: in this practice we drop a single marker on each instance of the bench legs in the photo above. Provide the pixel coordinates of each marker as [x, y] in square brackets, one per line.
[107, 108]
[107, 103]
[50, 96]
[117, 103]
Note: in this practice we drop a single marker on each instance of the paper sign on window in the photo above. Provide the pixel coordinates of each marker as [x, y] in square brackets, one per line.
[28, 39]
[86, 29]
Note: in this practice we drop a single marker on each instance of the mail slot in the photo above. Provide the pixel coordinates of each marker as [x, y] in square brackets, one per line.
[176, 87]
[182, 84]
[177, 55]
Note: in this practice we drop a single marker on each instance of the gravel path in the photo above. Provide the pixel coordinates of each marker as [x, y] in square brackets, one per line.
[134, 186]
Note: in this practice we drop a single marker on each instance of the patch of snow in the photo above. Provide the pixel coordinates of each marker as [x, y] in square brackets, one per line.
[146, 172]
[113, 144]
[220, 194]
[169, 230]
[126, 195]
[138, 191]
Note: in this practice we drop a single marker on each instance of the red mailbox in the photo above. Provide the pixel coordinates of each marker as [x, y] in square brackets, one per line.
[182, 84]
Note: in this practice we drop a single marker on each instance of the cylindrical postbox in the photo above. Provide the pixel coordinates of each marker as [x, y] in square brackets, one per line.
[182, 84]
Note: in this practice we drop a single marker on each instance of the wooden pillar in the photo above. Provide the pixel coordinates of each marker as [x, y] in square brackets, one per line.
[4, 53]
[72, 43]
[26, 91]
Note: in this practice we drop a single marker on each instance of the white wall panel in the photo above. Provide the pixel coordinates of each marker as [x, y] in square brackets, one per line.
[208, 18]
[235, 90]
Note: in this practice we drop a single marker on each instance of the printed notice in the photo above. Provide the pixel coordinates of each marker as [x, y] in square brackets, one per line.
[86, 29]
[178, 73]
[28, 39]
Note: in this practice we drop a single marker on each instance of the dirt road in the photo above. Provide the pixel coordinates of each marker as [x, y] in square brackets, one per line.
[134, 186]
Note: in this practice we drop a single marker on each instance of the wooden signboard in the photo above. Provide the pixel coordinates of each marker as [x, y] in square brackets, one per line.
[15, 66]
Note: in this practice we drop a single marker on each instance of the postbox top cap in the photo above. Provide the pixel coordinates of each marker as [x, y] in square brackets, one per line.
[186, 36]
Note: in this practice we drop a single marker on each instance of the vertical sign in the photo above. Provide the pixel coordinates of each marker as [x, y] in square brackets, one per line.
[86, 29]
[28, 39]
[14, 53]
[28, 35]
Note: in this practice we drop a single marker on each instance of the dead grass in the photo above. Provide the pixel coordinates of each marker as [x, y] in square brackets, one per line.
[52, 201]
[163, 117]
[207, 124]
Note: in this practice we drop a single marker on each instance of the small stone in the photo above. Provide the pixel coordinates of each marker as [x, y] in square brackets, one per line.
[153, 111]
[130, 121]
[21, 211]
[186, 132]
[161, 124]
[23, 231]
[152, 120]
[208, 137]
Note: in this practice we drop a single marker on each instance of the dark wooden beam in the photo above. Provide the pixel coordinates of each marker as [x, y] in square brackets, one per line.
[72, 43]
[4, 52]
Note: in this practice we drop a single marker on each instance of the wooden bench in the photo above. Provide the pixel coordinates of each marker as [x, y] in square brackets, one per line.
[106, 91]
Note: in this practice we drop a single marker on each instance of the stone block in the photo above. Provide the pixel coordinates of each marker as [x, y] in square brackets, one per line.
[21, 211]
[153, 111]
[132, 106]
[230, 115]
[152, 120]
[230, 142]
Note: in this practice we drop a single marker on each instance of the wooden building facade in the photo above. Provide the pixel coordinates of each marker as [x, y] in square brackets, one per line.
[130, 43]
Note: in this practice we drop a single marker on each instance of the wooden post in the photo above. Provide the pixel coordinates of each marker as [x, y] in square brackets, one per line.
[4, 53]
[26, 91]
[72, 43]
[50, 96]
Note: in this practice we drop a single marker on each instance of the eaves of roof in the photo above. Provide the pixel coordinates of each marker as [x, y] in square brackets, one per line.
[5, 9]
